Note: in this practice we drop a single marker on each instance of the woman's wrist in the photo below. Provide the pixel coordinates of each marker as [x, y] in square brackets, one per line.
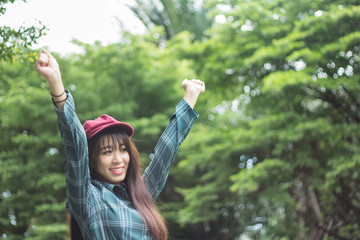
[191, 96]
[58, 93]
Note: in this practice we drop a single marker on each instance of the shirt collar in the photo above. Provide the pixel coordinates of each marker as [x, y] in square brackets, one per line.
[109, 186]
[116, 189]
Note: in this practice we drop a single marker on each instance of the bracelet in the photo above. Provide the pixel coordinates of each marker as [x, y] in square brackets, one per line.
[57, 95]
[61, 100]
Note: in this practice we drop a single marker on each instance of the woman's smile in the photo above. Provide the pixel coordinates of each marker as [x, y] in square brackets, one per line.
[117, 170]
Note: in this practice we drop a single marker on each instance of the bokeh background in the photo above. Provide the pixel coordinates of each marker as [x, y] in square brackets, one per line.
[275, 153]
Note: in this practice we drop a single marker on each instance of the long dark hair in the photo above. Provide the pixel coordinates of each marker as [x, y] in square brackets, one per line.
[74, 229]
[134, 182]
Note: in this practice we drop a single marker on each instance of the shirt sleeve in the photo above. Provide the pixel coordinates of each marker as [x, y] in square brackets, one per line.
[181, 122]
[77, 171]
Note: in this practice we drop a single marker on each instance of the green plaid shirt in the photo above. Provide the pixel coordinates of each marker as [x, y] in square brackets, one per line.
[104, 211]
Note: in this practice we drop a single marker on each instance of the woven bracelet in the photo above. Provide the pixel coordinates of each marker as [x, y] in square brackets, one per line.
[57, 95]
[61, 100]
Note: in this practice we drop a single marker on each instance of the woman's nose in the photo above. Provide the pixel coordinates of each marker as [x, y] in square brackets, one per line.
[117, 156]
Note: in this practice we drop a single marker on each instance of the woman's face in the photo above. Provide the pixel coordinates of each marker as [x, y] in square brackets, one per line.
[113, 162]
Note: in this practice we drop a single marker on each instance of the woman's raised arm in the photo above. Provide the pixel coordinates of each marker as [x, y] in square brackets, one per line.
[181, 122]
[47, 66]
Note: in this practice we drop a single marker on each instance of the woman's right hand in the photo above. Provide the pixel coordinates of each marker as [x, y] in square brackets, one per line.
[47, 66]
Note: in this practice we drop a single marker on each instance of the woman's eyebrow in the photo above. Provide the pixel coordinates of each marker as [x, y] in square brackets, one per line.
[105, 147]
[111, 146]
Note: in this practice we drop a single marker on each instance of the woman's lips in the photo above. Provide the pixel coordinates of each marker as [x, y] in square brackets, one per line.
[118, 170]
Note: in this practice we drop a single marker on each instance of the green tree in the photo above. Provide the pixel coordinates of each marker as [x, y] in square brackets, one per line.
[174, 16]
[30, 160]
[13, 40]
[286, 142]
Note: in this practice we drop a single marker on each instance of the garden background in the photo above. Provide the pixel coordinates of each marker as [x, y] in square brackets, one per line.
[275, 153]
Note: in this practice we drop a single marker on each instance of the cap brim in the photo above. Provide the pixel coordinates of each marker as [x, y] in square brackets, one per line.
[126, 127]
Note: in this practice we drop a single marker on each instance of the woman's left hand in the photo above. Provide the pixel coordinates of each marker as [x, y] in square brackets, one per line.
[194, 85]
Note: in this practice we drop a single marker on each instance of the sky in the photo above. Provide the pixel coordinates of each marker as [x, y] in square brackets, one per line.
[84, 20]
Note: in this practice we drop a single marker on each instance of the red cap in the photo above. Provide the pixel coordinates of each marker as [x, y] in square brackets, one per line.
[93, 127]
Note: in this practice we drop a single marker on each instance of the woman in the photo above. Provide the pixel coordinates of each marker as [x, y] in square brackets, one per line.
[106, 194]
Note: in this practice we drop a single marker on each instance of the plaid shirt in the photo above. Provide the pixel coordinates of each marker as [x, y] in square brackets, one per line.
[104, 211]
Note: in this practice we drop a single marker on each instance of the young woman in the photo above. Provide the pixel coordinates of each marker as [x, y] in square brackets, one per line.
[106, 194]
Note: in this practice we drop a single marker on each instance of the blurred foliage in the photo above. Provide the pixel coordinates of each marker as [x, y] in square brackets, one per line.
[174, 16]
[14, 41]
[288, 129]
[274, 155]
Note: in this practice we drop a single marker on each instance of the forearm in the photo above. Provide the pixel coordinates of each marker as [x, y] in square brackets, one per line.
[76, 155]
[191, 97]
[58, 94]
[167, 147]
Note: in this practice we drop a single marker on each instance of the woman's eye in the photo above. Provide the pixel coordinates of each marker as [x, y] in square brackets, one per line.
[123, 149]
[107, 152]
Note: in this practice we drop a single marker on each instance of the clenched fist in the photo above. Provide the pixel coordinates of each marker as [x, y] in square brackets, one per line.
[47, 66]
